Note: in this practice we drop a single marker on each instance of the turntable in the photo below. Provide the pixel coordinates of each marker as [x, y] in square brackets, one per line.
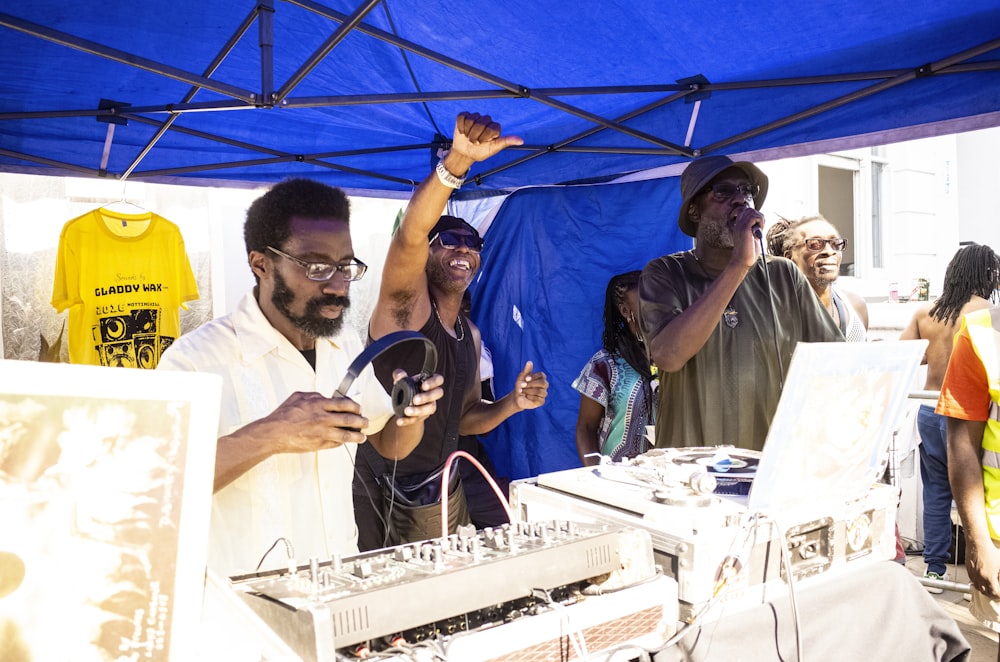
[721, 519]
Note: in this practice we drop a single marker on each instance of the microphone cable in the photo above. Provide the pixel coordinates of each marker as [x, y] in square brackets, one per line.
[774, 313]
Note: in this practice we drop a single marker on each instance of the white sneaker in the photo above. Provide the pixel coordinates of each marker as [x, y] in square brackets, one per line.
[936, 577]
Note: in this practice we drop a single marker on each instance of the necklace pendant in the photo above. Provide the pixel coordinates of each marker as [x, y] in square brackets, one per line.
[459, 327]
[731, 317]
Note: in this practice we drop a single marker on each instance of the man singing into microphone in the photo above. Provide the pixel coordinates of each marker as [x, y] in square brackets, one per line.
[721, 321]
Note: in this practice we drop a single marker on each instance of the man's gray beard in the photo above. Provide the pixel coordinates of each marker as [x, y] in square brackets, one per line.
[311, 321]
[717, 235]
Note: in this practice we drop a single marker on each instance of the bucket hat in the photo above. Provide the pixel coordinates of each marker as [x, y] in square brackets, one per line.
[701, 172]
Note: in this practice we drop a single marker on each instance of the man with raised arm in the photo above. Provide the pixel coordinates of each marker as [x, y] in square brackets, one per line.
[430, 263]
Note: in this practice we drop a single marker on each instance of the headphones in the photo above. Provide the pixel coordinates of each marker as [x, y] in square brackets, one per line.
[403, 390]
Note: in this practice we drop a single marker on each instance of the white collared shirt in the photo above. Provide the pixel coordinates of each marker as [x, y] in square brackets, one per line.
[302, 497]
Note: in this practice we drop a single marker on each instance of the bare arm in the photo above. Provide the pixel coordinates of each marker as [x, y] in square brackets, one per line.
[404, 299]
[686, 334]
[965, 472]
[588, 422]
[402, 434]
[481, 416]
[912, 330]
[529, 392]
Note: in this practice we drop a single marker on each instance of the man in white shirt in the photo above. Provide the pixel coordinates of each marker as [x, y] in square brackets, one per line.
[285, 454]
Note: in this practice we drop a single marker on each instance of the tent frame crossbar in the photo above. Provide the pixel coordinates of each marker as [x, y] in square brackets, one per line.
[241, 99]
[130, 59]
[923, 71]
[216, 62]
[349, 23]
[515, 89]
[473, 95]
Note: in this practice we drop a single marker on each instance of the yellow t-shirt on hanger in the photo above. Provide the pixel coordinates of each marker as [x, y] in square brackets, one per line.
[123, 278]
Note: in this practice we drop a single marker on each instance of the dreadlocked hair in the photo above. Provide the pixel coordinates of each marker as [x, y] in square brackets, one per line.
[618, 337]
[778, 233]
[973, 271]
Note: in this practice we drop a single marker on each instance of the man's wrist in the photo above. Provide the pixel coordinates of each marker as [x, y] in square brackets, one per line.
[457, 164]
[447, 177]
[513, 402]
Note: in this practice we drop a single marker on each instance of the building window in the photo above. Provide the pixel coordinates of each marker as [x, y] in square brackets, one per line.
[878, 195]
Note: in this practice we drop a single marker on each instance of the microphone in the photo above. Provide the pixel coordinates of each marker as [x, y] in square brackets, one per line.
[757, 232]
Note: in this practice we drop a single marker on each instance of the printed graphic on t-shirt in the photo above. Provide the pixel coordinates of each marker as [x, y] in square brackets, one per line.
[130, 340]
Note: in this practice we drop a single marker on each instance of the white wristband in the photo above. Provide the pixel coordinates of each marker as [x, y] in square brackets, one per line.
[446, 178]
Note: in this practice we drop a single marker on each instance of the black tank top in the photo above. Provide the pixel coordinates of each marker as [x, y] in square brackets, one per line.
[457, 362]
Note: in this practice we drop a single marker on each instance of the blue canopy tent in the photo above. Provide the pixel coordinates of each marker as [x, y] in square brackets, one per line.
[359, 93]
[362, 94]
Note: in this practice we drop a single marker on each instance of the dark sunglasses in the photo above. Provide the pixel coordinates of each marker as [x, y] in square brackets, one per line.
[452, 240]
[724, 190]
[814, 244]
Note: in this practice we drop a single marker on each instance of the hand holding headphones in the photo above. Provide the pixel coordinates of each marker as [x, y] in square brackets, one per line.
[405, 389]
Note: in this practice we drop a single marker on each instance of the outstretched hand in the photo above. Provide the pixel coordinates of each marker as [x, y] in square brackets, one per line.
[530, 388]
[477, 137]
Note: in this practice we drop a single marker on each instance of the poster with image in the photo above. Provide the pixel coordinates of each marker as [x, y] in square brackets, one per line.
[105, 491]
[829, 438]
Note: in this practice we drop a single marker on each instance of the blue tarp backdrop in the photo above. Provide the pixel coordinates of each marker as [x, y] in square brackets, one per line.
[549, 255]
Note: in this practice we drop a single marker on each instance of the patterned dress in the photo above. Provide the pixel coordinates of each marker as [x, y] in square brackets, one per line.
[627, 398]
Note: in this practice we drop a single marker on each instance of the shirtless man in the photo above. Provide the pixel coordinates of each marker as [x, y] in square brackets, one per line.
[969, 282]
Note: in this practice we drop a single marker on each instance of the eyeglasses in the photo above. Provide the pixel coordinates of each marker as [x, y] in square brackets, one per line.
[814, 244]
[351, 271]
[452, 240]
[724, 190]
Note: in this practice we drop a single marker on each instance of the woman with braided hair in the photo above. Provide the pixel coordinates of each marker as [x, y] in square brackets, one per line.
[616, 386]
[970, 282]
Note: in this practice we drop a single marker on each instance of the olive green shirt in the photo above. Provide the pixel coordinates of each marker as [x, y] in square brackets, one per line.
[727, 393]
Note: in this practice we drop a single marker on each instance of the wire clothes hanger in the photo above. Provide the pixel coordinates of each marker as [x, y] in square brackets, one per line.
[124, 206]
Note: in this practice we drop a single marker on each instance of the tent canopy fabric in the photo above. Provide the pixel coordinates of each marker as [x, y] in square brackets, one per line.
[362, 94]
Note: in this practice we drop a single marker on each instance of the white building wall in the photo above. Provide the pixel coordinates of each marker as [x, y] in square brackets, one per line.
[939, 192]
[977, 178]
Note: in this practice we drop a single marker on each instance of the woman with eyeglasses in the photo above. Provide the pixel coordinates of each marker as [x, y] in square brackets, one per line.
[616, 386]
[817, 249]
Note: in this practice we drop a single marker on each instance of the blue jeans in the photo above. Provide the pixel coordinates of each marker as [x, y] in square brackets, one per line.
[936, 489]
